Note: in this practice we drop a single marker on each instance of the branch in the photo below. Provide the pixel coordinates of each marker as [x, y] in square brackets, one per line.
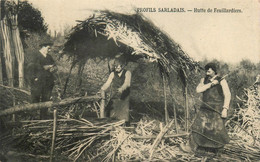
[167, 136]
[42, 105]
[159, 138]
[17, 89]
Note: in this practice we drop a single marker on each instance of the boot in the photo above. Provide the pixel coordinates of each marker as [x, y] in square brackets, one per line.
[186, 148]
[190, 146]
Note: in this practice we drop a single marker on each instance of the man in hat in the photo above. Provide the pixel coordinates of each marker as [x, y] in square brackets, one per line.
[119, 80]
[41, 76]
[208, 130]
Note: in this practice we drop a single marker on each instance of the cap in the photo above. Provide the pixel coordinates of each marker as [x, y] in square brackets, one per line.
[211, 65]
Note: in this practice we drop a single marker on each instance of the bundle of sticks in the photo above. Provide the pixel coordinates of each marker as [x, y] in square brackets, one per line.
[73, 136]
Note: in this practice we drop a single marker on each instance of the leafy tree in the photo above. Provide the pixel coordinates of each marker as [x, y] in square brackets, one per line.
[30, 19]
[247, 65]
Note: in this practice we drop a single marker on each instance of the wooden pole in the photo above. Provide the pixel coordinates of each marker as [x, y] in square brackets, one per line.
[54, 134]
[44, 105]
[67, 80]
[154, 136]
[165, 100]
[186, 108]
[13, 116]
[80, 73]
[173, 105]
[102, 105]
[175, 118]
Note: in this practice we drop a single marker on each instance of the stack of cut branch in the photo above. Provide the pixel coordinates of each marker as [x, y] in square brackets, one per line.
[103, 140]
[72, 139]
[151, 136]
[244, 128]
[240, 150]
[248, 119]
[135, 146]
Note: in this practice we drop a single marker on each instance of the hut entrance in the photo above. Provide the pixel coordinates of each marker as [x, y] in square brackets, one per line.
[105, 34]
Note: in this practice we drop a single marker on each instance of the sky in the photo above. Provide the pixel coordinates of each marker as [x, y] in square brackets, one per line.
[230, 37]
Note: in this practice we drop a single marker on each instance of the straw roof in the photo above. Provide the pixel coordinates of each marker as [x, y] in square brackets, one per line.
[106, 33]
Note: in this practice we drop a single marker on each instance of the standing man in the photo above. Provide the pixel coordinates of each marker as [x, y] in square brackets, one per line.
[208, 129]
[119, 80]
[41, 74]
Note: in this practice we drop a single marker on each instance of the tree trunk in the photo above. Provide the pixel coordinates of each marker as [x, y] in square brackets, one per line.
[1, 69]
[1, 65]
[18, 49]
[6, 35]
[0, 9]
[1, 44]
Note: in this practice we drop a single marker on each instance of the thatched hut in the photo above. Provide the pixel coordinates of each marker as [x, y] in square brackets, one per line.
[106, 33]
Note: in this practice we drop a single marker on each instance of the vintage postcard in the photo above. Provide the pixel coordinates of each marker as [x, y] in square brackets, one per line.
[130, 80]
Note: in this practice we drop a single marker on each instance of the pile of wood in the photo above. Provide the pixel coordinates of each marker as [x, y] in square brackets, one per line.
[73, 136]
[247, 117]
[148, 140]
[151, 141]
[106, 140]
[244, 125]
